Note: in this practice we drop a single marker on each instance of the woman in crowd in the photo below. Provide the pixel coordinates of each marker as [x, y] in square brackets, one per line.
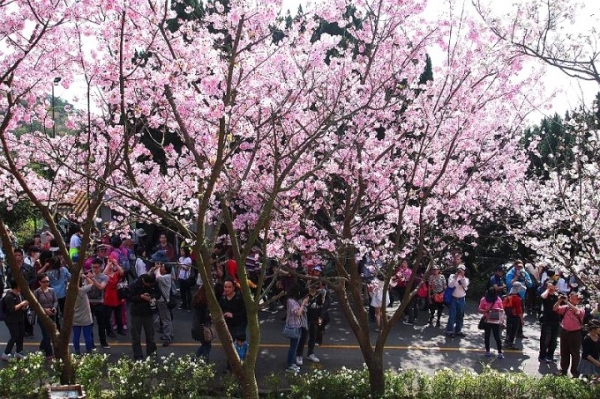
[48, 300]
[82, 316]
[185, 282]
[589, 365]
[377, 302]
[491, 307]
[296, 311]
[200, 318]
[437, 286]
[59, 277]
[112, 303]
[14, 307]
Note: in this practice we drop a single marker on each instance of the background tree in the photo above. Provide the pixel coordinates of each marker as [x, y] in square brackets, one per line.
[561, 33]
[560, 214]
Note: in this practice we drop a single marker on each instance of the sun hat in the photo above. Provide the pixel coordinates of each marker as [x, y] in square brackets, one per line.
[517, 288]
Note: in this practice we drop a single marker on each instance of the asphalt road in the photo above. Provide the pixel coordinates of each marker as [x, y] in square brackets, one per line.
[408, 347]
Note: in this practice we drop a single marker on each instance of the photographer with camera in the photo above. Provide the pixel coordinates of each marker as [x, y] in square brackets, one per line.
[570, 334]
[144, 292]
[550, 321]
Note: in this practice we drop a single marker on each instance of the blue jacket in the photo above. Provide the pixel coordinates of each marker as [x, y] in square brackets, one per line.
[524, 278]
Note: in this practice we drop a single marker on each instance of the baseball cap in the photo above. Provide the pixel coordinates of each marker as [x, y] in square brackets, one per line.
[461, 267]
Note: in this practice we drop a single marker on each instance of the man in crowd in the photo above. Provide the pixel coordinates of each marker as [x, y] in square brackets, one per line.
[74, 245]
[570, 334]
[550, 323]
[96, 298]
[518, 274]
[497, 281]
[167, 247]
[460, 283]
[144, 293]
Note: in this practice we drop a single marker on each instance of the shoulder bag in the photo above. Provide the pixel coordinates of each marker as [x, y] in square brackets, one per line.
[209, 332]
[291, 332]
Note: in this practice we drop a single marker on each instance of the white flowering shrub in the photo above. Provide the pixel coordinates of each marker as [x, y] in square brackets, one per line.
[25, 378]
[443, 384]
[166, 377]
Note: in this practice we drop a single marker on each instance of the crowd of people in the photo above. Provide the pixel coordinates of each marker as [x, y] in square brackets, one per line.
[117, 273]
[552, 297]
[130, 287]
[127, 287]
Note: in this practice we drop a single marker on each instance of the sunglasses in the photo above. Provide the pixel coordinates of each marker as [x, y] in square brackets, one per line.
[44, 281]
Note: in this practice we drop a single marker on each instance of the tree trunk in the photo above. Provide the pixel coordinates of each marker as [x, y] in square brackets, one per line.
[376, 375]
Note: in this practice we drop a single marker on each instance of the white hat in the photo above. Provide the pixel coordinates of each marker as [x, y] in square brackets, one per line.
[461, 267]
[517, 288]
[318, 268]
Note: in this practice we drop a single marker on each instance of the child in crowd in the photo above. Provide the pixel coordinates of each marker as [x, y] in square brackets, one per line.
[241, 346]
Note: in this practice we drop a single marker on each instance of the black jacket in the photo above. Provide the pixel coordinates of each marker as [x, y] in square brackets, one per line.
[13, 315]
[200, 318]
[139, 306]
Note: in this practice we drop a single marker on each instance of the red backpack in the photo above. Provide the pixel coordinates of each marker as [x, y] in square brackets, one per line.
[507, 304]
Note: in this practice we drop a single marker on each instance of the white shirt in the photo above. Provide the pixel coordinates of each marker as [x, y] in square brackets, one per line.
[562, 286]
[184, 272]
[140, 267]
[460, 285]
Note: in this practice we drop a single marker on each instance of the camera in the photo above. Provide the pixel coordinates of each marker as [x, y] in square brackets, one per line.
[562, 297]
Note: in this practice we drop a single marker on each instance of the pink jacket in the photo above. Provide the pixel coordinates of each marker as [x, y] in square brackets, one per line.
[485, 307]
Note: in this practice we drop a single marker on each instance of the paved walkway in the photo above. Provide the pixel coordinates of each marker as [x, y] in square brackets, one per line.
[408, 347]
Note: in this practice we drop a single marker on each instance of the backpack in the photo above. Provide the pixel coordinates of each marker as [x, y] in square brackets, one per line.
[123, 290]
[122, 255]
[507, 304]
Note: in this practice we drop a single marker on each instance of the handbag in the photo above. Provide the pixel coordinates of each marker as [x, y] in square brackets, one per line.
[482, 322]
[209, 332]
[291, 332]
[31, 317]
[123, 289]
[438, 298]
[448, 295]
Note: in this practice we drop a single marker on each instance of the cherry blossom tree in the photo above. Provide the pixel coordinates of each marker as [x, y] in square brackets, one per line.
[561, 33]
[277, 132]
[257, 112]
[47, 169]
[559, 218]
[444, 158]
